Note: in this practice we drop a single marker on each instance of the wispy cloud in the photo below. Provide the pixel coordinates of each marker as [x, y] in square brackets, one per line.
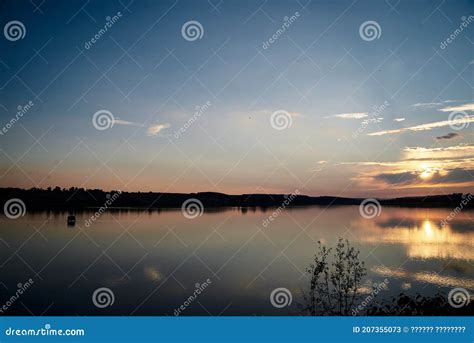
[124, 122]
[154, 130]
[450, 135]
[427, 104]
[460, 108]
[425, 127]
[399, 119]
[320, 166]
[456, 151]
[434, 104]
[352, 115]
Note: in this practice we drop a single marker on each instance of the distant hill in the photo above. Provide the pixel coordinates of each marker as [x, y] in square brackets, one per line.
[79, 198]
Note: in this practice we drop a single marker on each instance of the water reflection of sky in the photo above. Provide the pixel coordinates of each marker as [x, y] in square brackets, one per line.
[153, 260]
[424, 237]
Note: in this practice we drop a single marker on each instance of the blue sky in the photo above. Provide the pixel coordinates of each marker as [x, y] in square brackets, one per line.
[319, 71]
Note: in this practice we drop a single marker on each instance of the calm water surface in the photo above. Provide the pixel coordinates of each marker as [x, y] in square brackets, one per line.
[152, 261]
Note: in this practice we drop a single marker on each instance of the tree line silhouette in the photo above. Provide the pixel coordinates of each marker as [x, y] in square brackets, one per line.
[80, 198]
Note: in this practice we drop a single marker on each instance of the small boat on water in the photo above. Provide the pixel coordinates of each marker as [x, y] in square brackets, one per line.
[71, 220]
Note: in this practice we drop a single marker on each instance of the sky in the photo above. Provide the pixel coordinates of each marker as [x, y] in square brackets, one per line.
[347, 98]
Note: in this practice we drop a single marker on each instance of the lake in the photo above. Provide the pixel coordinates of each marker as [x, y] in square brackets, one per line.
[153, 261]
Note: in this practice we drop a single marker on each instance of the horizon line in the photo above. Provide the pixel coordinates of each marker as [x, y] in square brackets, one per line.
[241, 194]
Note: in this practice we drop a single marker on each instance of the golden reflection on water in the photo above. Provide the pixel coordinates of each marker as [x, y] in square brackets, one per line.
[424, 239]
[424, 276]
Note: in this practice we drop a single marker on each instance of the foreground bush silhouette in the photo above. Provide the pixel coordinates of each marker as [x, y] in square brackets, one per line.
[335, 287]
[336, 290]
